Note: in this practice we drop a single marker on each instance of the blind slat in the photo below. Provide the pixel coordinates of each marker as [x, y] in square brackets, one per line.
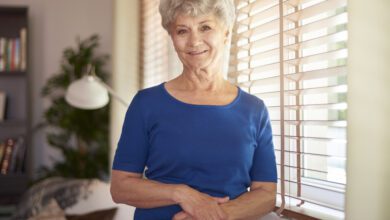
[311, 154]
[255, 5]
[330, 123]
[320, 73]
[302, 168]
[316, 9]
[336, 21]
[329, 55]
[330, 106]
[259, 18]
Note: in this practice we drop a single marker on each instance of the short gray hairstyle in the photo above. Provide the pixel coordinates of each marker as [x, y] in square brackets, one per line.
[222, 9]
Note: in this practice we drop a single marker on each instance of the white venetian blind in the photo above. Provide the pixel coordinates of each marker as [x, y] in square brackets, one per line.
[292, 54]
[159, 62]
[154, 45]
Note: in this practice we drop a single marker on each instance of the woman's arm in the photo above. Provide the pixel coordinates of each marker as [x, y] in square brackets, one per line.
[129, 188]
[259, 201]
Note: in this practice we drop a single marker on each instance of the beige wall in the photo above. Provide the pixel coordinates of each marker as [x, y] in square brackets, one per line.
[368, 174]
[54, 25]
[125, 81]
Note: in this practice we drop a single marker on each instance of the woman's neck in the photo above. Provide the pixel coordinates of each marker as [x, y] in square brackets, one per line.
[202, 80]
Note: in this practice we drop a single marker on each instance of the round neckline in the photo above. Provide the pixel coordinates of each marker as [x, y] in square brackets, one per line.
[162, 86]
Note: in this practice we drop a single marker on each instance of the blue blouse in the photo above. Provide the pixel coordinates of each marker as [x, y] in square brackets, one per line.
[216, 150]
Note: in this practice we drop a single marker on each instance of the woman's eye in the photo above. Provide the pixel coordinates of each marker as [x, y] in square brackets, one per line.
[181, 32]
[205, 28]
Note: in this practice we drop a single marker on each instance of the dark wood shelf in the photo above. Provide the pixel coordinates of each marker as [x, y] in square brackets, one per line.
[12, 186]
[13, 183]
[13, 10]
[12, 73]
[17, 120]
[13, 123]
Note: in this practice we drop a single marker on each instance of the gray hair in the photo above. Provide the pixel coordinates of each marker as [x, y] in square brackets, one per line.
[222, 9]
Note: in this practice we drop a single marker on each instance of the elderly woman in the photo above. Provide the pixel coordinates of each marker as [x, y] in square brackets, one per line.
[203, 141]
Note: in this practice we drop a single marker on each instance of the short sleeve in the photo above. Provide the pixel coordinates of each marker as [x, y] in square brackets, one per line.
[132, 149]
[264, 165]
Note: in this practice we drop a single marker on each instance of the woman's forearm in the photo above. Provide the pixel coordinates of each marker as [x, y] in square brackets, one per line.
[251, 205]
[143, 193]
[131, 189]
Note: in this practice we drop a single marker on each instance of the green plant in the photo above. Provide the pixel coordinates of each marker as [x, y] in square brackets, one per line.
[81, 135]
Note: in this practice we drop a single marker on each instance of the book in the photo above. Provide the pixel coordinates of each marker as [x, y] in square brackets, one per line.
[17, 54]
[9, 145]
[21, 158]
[8, 55]
[12, 66]
[17, 159]
[2, 148]
[5, 54]
[23, 49]
[2, 105]
[2, 54]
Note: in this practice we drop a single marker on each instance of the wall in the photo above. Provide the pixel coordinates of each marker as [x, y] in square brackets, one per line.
[126, 80]
[53, 26]
[368, 167]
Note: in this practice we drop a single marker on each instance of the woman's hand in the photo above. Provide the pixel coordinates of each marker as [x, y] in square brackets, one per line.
[197, 205]
[182, 216]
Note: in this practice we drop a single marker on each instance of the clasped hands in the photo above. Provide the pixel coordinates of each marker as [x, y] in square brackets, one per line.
[200, 206]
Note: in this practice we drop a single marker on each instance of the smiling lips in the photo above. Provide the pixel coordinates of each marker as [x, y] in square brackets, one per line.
[195, 53]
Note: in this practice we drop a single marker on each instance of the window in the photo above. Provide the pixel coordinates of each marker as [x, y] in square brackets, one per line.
[159, 61]
[292, 54]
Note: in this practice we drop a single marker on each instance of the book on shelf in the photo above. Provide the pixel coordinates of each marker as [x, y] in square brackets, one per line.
[23, 49]
[18, 158]
[2, 149]
[2, 105]
[2, 53]
[13, 52]
[9, 145]
[13, 156]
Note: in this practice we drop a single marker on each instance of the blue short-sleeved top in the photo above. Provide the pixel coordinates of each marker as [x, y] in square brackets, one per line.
[217, 150]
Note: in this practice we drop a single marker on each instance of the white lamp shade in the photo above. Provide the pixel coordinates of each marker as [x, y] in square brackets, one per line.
[87, 93]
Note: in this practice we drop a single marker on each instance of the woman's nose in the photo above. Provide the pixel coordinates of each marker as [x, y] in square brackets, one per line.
[195, 39]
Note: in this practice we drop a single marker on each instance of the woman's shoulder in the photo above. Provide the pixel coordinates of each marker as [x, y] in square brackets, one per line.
[148, 96]
[149, 92]
[251, 100]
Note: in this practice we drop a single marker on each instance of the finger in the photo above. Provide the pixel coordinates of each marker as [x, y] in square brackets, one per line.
[222, 200]
[181, 216]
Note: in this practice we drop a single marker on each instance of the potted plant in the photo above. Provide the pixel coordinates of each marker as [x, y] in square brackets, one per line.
[80, 135]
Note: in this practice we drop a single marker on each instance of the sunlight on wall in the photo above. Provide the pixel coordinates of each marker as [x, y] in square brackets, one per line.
[125, 59]
[368, 173]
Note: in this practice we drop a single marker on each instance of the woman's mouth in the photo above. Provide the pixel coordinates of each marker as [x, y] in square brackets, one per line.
[195, 53]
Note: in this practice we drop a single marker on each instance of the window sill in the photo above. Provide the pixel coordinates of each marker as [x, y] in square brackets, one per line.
[309, 211]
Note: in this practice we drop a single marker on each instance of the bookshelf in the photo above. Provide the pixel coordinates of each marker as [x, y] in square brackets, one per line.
[16, 118]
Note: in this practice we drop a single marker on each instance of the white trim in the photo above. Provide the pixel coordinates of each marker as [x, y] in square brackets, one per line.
[312, 209]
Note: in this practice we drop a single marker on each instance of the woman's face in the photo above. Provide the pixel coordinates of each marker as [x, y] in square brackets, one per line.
[199, 41]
